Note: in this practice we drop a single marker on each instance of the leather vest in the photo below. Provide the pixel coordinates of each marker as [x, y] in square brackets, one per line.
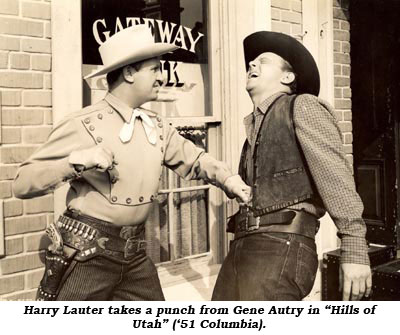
[281, 177]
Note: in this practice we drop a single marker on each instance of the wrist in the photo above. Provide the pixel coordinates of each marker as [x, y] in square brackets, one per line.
[229, 180]
[354, 250]
[78, 169]
[229, 184]
[65, 170]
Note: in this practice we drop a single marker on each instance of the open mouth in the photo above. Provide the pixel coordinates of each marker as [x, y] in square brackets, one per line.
[253, 75]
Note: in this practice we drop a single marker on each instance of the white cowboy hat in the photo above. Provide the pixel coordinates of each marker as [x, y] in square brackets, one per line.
[128, 46]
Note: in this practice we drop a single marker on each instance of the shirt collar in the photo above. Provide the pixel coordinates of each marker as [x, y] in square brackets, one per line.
[124, 110]
[263, 107]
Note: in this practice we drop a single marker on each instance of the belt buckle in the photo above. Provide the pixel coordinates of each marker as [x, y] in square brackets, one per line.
[256, 219]
[132, 247]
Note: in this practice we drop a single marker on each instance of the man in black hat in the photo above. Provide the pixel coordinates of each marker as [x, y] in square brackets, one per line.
[294, 160]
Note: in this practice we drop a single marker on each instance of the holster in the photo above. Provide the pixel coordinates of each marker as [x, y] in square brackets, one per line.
[57, 268]
[78, 238]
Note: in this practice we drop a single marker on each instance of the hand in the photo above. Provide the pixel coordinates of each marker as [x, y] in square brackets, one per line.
[95, 157]
[355, 279]
[234, 186]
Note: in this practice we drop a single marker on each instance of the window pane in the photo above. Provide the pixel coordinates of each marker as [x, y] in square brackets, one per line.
[190, 213]
[185, 89]
[190, 224]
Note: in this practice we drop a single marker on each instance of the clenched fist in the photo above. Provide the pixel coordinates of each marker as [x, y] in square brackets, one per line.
[235, 187]
[95, 157]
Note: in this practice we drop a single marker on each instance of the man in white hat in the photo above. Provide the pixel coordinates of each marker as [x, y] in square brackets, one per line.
[112, 154]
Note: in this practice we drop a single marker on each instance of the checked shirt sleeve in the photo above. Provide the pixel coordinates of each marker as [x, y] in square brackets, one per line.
[321, 140]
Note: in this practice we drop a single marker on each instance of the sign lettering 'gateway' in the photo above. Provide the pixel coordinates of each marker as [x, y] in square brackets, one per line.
[167, 32]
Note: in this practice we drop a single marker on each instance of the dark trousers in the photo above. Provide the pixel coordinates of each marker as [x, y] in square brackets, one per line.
[115, 277]
[102, 279]
[268, 266]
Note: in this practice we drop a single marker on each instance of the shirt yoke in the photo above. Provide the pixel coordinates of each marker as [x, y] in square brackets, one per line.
[101, 105]
[161, 122]
[313, 111]
[155, 115]
[310, 104]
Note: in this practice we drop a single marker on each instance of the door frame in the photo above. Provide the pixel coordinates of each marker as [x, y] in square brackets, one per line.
[318, 38]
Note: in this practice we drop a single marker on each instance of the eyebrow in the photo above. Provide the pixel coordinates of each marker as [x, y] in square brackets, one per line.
[265, 60]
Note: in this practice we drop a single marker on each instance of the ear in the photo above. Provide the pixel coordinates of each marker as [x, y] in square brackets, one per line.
[128, 73]
[287, 78]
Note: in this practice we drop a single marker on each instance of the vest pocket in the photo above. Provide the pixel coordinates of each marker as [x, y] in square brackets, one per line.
[287, 186]
[288, 172]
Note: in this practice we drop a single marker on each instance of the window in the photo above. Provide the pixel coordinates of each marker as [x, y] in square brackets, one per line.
[186, 88]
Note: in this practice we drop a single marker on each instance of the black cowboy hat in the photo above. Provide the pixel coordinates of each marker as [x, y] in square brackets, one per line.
[289, 49]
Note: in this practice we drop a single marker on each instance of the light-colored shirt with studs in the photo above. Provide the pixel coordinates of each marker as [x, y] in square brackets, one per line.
[123, 195]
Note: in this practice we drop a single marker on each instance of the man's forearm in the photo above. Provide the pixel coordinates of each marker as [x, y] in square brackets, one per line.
[212, 170]
[39, 178]
[354, 247]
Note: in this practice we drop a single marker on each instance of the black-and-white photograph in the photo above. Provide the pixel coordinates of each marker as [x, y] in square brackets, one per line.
[199, 150]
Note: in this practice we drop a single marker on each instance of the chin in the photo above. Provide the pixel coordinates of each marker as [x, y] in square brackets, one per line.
[152, 96]
[249, 88]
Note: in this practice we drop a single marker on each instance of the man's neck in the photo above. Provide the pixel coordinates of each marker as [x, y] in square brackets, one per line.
[126, 95]
[259, 98]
